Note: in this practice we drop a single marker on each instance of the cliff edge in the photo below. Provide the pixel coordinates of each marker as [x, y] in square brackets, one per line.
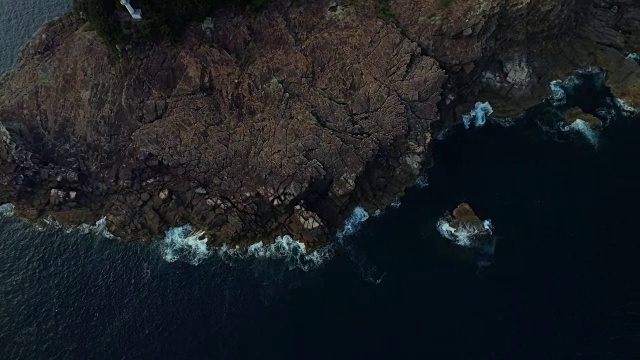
[279, 122]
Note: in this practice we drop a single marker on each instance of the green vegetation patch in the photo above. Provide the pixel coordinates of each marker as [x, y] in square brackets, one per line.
[443, 5]
[383, 8]
[161, 19]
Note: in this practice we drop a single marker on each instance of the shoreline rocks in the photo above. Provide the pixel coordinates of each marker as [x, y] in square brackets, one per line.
[279, 122]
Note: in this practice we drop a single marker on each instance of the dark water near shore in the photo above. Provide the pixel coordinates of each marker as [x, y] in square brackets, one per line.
[19, 20]
[563, 284]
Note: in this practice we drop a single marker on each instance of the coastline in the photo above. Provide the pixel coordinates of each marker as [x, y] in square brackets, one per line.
[171, 135]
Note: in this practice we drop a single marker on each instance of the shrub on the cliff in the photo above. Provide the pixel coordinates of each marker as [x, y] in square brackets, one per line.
[165, 19]
[98, 12]
[443, 4]
[383, 8]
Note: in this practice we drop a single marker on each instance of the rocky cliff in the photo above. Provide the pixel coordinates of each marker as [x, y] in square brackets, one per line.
[280, 122]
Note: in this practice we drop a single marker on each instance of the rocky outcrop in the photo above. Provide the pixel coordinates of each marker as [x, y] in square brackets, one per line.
[279, 122]
[573, 114]
[507, 52]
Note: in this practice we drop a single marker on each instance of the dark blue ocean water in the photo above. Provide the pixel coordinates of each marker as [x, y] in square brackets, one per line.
[563, 283]
[19, 20]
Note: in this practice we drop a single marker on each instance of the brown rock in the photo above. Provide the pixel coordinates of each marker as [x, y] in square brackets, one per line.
[575, 113]
[322, 106]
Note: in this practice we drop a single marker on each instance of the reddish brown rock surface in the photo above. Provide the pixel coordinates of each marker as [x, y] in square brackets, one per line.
[465, 218]
[277, 123]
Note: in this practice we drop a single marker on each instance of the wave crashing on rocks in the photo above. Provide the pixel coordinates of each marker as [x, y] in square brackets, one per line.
[478, 115]
[7, 210]
[353, 223]
[187, 244]
[582, 127]
[463, 227]
[463, 235]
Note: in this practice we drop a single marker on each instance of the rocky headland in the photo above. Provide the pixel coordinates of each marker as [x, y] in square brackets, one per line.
[281, 121]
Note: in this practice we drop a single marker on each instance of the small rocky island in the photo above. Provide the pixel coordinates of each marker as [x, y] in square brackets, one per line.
[464, 227]
[282, 119]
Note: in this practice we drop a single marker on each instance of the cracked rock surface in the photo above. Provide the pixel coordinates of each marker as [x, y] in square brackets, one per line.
[268, 124]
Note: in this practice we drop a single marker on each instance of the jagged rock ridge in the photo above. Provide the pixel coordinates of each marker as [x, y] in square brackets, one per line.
[279, 122]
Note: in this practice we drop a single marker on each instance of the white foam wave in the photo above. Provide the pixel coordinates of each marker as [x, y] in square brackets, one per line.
[353, 223]
[609, 115]
[558, 95]
[465, 234]
[293, 252]
[422, 182]
[7, 210]
[99, 228]
[590, 70]
[185, 244]
[504, 122]
[633, 56]
[478, 115]
[443, 134]
[396, 203]
[560, 88]
[625, 107]
[189, 245]
[284, 248]
[580, 126]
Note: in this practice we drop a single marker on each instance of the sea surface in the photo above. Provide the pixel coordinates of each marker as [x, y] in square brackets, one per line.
[19, 20]
[563, 282]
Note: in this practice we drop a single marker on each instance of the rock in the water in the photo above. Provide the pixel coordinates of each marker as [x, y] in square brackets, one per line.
[573, 114]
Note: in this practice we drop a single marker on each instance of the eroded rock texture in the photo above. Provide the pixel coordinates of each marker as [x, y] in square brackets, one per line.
[278, 122]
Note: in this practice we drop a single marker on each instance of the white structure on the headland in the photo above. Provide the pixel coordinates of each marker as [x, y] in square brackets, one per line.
[136, 14]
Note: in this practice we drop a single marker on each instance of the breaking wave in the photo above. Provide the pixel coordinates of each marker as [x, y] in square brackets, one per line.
[558, 95]
[99, 228]
[504, 121]
[607, 115]
[633, 56]
[185, 244]
[7, 210]
[353, 223]
[478, 115]
[189, 245]
[625, 107]
[580, 126]
[284, 248]
[559, 88]
[293, 252]
[422, 182]
[463, 235]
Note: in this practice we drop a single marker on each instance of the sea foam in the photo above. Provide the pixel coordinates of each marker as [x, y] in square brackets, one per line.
[353, 223]
[625, 107]
[99, 228]
[185, 244]
[422, 182]
[7, 210]
[558, 95]
[463, 235]
[292, 252]
[477, 116]
[580, 126]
